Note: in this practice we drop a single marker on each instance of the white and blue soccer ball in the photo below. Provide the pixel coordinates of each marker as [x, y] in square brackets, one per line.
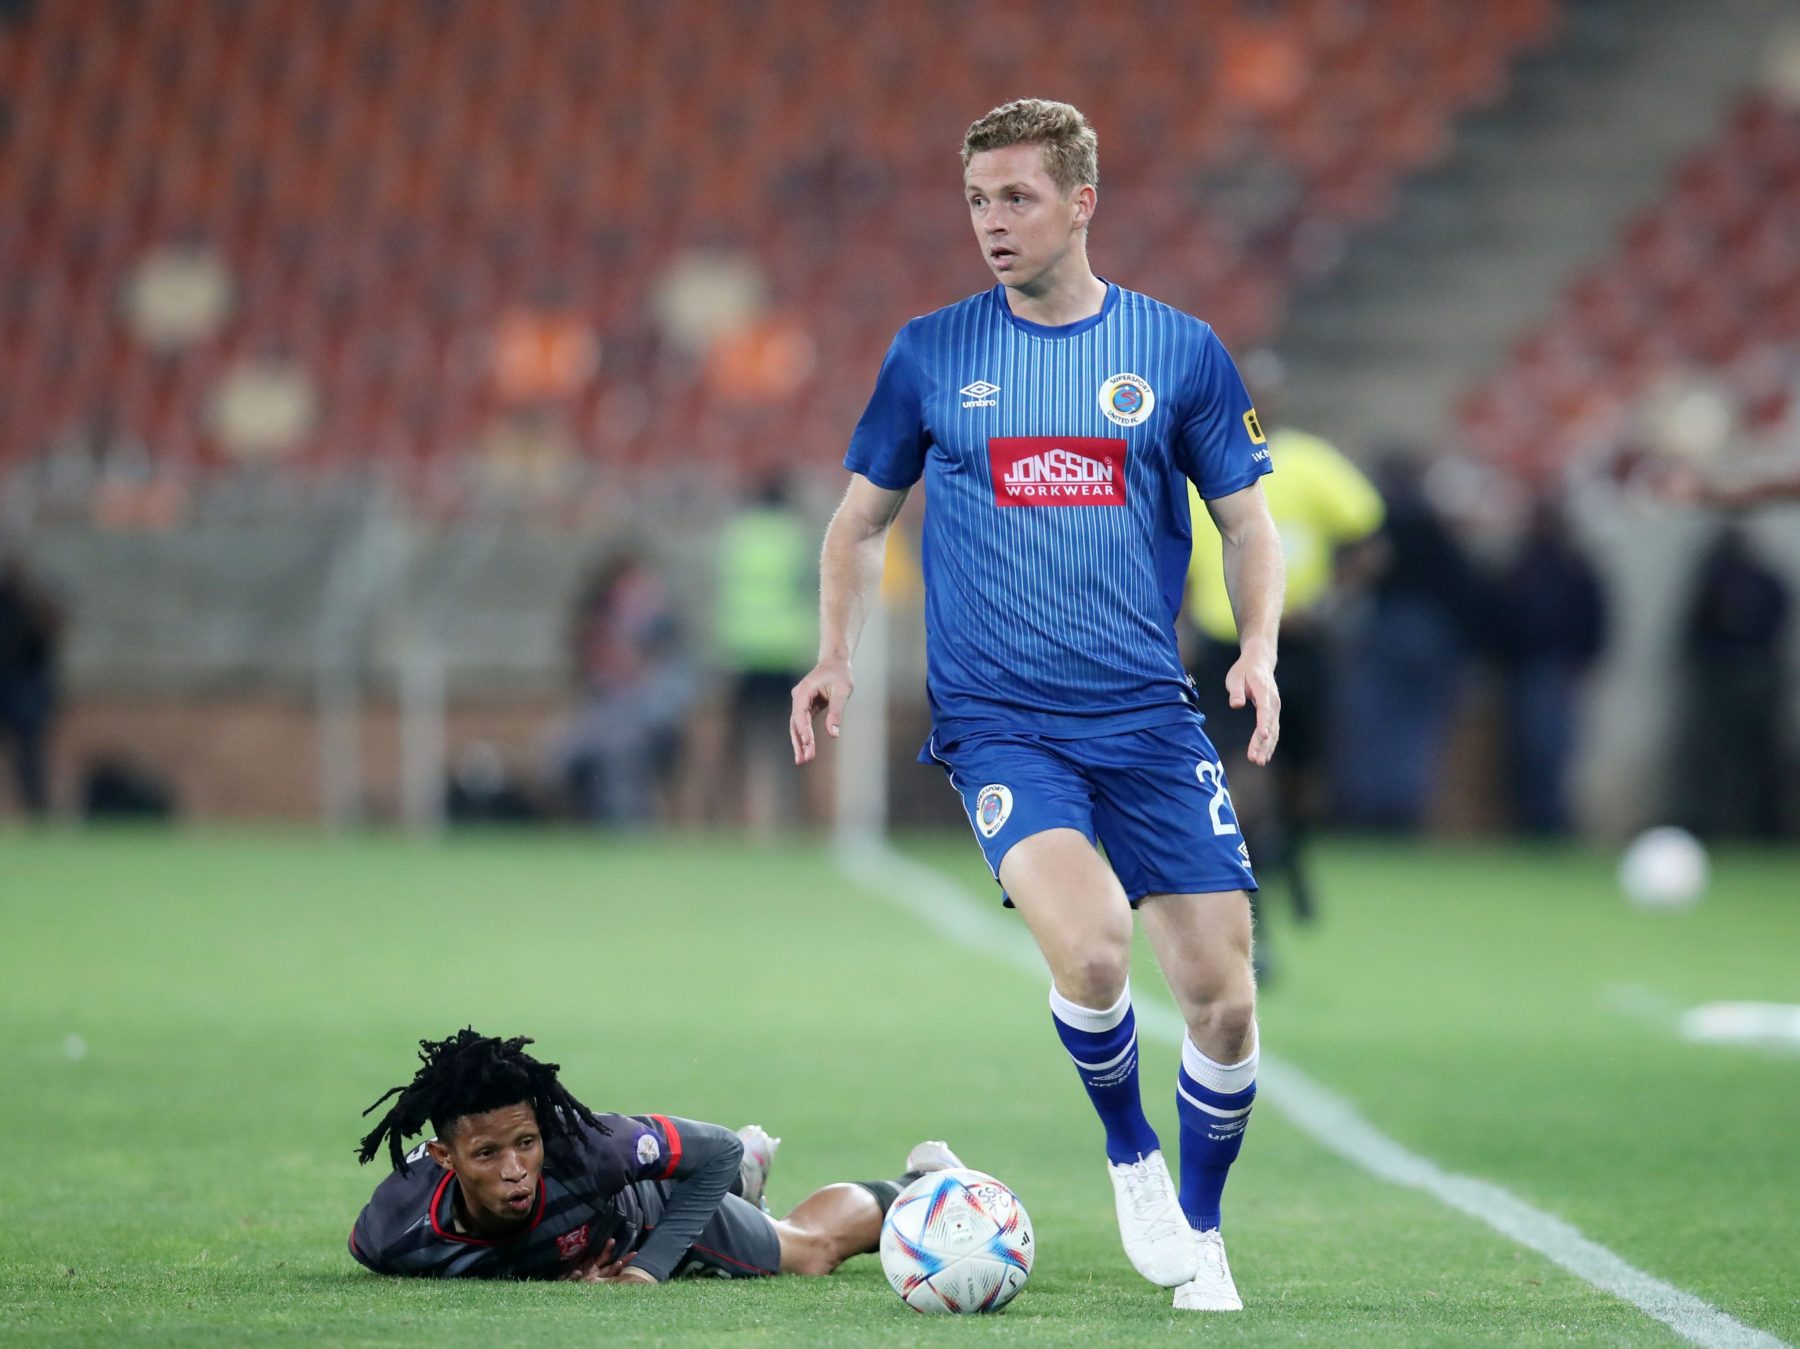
[957, 1241]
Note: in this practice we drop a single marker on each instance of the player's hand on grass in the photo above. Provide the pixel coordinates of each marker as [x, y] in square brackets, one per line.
[827, 687]
[601, 1267]
[627, 1274]
[1253, 678]
[587, 1270]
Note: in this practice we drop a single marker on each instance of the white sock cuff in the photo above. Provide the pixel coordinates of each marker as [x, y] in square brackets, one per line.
[1225, 1078]
[1091, 1019]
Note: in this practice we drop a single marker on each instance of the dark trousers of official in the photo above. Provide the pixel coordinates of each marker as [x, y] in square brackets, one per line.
[1276, 836]
[27, 705]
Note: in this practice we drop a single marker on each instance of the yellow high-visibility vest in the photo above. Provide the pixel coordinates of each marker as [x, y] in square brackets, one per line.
[1320, 501]
[767, 615]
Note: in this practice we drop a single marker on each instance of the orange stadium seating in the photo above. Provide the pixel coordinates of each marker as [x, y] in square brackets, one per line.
[1705, 280]
[385, 179]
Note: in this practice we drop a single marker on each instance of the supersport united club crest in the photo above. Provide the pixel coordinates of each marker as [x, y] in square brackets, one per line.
[1127, 400]
[992, 809]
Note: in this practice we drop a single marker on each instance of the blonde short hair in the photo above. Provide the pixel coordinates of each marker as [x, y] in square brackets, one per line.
[1071, 150]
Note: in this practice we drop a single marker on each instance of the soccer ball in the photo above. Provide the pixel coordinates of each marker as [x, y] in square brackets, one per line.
[1663, 868]
[956, 1241]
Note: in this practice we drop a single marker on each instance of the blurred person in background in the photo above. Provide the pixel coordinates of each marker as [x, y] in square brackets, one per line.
[766, 628]
[1328, 514]
[1549, 629]
[1728, 779]
[31, 629]
[1403, 665]
[637, 686]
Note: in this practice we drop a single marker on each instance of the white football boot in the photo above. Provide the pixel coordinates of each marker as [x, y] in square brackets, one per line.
[759, 1157]
[1157, 1238]
[932, 1155]
[1210, 1290]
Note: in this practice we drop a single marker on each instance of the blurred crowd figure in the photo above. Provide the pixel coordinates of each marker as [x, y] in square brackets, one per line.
[1731, 748]
[766, 633]
[663, 732]
[1404, 660]
[636, 685]
[1549, 627]
[31, 629]
[1535, 617]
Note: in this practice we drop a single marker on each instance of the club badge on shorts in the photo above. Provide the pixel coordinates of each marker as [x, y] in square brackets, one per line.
[1127, 400]
[992, 808]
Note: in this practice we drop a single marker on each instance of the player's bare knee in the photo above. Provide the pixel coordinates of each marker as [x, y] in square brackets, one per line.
[804, 1250]
[1223, 1024]
[815, 1264]
[1095, 978]
[819, 1255]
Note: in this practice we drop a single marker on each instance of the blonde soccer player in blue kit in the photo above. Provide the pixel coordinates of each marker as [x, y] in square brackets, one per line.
[1057, 420]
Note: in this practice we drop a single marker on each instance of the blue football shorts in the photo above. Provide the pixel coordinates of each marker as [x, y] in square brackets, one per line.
[1154, 798]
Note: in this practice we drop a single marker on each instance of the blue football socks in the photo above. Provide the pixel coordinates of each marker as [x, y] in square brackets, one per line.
[1103, 1044]
[1213, 1102]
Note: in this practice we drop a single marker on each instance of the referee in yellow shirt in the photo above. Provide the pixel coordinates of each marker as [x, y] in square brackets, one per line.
[1325, 510]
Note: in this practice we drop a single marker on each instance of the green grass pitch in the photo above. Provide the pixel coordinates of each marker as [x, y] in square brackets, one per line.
[182, 1173]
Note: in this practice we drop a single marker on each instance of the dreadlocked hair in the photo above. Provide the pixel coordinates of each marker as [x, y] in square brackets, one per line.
[470, 1074]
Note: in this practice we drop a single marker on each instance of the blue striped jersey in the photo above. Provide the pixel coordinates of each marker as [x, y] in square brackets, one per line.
[1057, 537]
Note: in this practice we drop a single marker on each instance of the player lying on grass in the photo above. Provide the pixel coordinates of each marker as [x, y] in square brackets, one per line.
[531, 1184]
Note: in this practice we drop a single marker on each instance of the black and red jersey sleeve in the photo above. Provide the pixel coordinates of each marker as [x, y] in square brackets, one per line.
[633, 1148]
[699, 1162]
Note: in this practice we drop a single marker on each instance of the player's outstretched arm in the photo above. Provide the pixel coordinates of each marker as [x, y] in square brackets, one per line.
[1256, 580]
[849, 574]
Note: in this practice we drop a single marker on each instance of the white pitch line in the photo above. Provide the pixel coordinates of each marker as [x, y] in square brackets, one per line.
[1320, 1113]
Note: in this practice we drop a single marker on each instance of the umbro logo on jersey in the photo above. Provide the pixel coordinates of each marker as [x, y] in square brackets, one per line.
[980, 394]
[1057, 470]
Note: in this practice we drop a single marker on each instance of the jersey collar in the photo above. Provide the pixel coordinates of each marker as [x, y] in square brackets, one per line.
[1053, 331]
